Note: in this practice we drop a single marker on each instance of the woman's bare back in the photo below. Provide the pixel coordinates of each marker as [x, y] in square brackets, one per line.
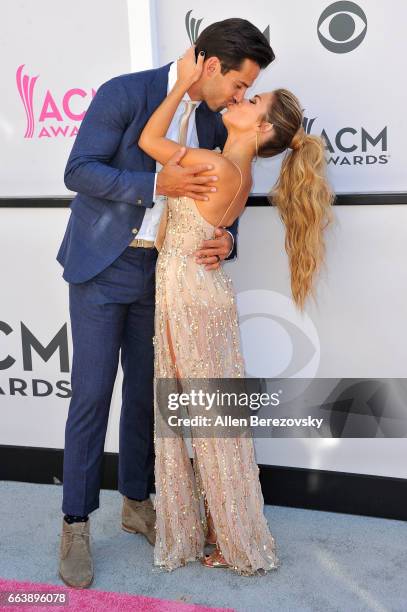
[233, 187]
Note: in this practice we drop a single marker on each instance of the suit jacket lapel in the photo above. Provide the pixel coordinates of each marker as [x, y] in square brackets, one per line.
[158, 88]
[205, 126]
[156, 93]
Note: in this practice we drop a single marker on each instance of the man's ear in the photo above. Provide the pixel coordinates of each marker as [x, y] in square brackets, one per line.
[212, 65]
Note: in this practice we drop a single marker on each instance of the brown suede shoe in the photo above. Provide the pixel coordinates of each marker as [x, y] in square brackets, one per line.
[139, 517]
[75, 564]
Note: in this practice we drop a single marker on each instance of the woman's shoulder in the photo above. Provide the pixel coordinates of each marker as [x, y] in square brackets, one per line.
[223, 168]
[227, 186]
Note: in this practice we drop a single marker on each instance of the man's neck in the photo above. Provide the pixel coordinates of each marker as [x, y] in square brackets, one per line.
[195, 92]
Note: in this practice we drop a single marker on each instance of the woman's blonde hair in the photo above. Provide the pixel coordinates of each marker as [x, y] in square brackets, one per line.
[302, 193]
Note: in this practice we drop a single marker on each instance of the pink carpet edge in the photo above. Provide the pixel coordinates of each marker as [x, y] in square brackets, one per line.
[88, 600]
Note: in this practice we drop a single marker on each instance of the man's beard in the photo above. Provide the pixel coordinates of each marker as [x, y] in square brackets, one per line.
[219, 108]
[216, 107]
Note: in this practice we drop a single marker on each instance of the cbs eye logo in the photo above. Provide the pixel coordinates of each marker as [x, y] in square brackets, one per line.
[342, 27]
[277, 341]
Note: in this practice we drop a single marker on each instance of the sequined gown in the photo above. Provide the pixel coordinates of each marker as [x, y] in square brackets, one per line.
[196, 324]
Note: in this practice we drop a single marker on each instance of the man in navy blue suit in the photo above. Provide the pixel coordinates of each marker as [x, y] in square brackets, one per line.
[109, 254]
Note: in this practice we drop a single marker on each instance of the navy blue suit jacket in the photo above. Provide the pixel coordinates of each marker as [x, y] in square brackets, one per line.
[113, 177]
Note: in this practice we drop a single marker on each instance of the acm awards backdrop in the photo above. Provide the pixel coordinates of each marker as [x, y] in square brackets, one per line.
[341, 59]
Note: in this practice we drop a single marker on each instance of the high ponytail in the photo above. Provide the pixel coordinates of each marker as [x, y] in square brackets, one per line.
[302, 193]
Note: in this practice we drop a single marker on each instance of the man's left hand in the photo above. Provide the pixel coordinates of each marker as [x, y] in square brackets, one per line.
[216, 250]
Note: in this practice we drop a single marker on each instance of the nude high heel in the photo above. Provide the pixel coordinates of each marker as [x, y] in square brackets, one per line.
[215, 559]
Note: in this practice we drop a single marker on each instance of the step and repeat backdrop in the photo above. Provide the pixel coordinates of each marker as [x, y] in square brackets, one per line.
[343, 60]
[52, 64]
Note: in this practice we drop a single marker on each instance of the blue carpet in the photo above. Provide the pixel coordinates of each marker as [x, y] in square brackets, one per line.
[330, 562]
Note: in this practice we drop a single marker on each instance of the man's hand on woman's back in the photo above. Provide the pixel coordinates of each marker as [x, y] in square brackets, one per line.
[175, 181]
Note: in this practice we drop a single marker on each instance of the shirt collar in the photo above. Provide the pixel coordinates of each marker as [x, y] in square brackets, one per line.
[172, 77]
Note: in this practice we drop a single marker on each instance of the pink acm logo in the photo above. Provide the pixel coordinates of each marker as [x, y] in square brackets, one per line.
[53, 113]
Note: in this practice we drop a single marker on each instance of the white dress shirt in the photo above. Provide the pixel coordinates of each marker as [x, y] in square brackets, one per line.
[152, 216]
[151, 220]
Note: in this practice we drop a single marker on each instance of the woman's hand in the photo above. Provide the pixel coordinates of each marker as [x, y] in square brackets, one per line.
[188, 70]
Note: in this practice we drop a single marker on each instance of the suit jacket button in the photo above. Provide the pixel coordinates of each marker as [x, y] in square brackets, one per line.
[134, 230]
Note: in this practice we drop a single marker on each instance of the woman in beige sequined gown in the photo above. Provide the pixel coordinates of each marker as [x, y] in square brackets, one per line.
[197, 336]
[199, 308]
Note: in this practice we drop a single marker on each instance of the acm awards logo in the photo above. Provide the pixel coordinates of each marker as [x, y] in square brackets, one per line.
[349, 146]
[36, 387]
[57, 116]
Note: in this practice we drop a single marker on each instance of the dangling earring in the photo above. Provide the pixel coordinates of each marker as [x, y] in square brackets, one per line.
[257, 146]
